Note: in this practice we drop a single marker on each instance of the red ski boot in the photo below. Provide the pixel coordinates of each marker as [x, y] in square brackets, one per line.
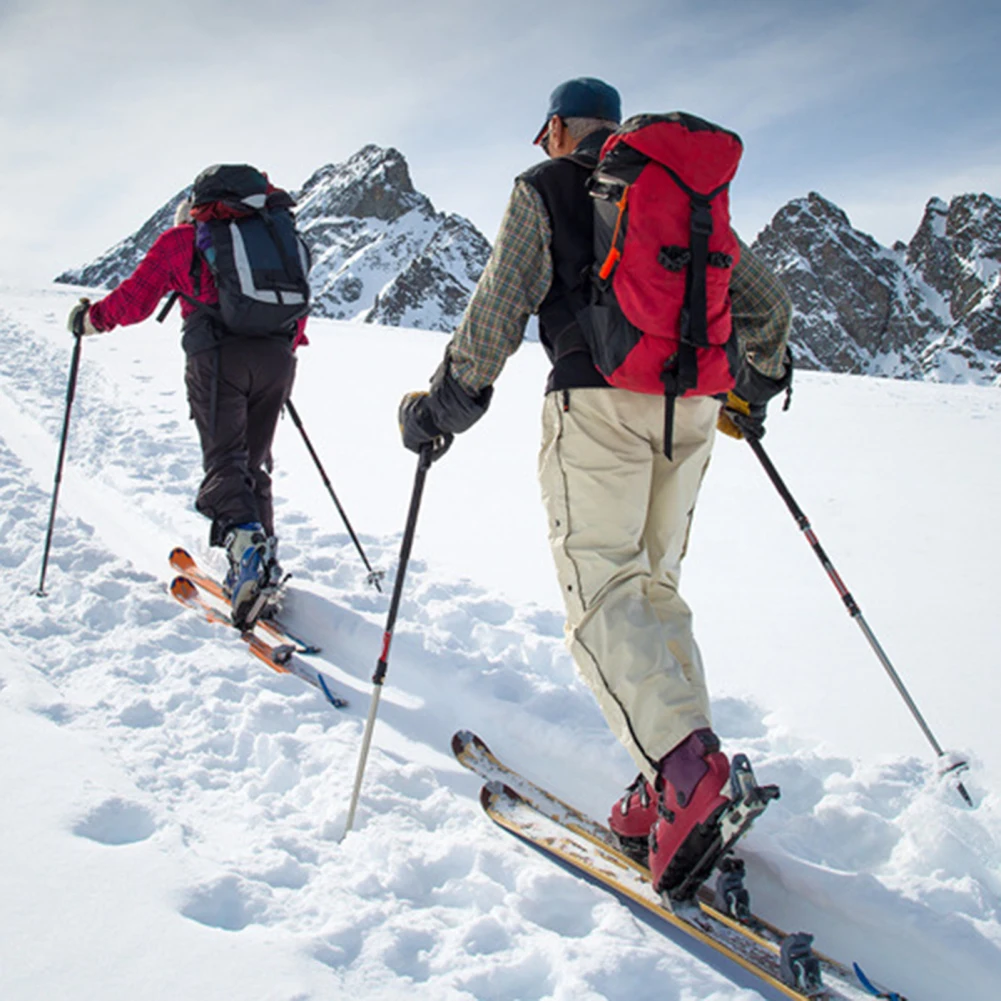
[693, 775]
[632, 817]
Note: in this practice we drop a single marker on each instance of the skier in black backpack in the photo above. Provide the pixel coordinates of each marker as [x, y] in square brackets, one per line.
[240, 270]
[621, 462]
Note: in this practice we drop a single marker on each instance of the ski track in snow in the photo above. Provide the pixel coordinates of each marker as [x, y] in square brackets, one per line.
[244, 775]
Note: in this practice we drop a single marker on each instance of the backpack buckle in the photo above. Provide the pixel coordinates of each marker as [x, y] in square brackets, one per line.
[702, 218]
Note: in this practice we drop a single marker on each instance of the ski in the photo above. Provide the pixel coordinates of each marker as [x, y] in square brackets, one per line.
[184, 563]
[280, 657]
[722, 918]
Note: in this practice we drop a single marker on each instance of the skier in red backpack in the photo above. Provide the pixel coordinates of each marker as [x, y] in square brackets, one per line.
[620, 468]
[240, 352]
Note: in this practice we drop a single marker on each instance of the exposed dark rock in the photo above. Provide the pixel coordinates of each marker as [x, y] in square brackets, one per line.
[929, 309]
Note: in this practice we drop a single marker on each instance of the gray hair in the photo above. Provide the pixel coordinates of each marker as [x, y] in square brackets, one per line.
[580, 127]
[182, 213]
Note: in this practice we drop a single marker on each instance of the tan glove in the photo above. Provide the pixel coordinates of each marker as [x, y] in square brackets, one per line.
[740, 419]
[79, 324]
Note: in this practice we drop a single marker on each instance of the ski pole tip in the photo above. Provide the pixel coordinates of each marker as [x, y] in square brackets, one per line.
[966, 796]
[951, 766]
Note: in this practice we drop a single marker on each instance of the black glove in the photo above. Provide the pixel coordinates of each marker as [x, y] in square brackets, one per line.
[446, 410]
[743, 413]
[416, 423]
[78, 323]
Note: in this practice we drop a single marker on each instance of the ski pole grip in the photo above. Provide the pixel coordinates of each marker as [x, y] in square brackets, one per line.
[78, 319]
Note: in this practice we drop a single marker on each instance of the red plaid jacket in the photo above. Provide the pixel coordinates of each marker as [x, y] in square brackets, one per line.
[165, 268]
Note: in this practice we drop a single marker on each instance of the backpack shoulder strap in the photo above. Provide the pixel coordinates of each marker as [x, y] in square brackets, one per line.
[195, 272]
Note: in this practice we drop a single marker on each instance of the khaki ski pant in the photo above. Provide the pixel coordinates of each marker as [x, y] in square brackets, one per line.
[619, 515]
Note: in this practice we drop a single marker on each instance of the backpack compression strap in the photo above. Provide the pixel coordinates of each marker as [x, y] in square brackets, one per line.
[694, 317]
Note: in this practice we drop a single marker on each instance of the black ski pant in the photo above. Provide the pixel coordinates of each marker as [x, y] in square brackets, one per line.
[236, 393]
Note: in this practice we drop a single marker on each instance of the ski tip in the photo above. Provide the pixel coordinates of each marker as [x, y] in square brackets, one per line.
[181, 559]
[495, 790]
[465, 739]
[182, 589]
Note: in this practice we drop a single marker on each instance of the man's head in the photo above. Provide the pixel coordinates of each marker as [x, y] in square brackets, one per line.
[577, 108]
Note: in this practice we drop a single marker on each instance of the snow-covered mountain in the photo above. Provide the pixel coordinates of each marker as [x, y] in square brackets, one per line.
[174, 812]
[381, 251]
[929, 309]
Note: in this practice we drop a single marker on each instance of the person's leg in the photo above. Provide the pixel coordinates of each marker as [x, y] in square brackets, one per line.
[596, 470]
[217, 387]
[673, 494]
[272, 372]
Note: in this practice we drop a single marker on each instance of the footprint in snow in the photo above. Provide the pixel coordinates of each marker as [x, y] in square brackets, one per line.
[229, 903]
[117, 822]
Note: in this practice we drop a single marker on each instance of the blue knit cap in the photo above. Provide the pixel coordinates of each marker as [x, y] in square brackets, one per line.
[583, 97]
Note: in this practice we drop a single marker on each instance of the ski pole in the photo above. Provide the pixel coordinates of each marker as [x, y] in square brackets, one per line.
[853, 609]
[374, 576]
[428, 454]
[70, 393]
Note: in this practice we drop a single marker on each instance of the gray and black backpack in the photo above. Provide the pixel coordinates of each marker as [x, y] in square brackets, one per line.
[245, 234]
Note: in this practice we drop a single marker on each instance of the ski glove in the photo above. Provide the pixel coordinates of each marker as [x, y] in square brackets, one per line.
[447, 410]
[416, 423]
[746, 406]
[79, 324]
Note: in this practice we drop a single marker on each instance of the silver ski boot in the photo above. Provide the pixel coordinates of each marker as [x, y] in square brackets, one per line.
[249, 574]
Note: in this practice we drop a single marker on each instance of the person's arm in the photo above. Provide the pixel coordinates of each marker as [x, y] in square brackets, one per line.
[138, 295]
[511, 288]
[762, 314]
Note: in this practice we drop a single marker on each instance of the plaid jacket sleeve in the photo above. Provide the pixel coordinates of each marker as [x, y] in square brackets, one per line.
[164, 268]
[511, 288]
[762, 313]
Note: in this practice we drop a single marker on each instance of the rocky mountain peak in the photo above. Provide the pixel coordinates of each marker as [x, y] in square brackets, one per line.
[373, 184]
[930, 308]
[381, 252]
[815, 220]
[813, 210]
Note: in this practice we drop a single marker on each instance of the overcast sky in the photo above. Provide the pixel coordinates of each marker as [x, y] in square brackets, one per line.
[109, 107]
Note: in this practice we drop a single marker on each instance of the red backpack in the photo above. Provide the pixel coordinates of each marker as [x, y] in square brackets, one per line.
[658, 320]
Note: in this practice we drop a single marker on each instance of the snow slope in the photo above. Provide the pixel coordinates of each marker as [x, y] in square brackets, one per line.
[173, 812]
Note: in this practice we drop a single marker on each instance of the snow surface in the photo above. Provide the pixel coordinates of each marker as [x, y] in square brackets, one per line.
[173, 812]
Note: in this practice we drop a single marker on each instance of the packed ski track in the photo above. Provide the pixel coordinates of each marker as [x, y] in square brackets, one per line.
[174, 812]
